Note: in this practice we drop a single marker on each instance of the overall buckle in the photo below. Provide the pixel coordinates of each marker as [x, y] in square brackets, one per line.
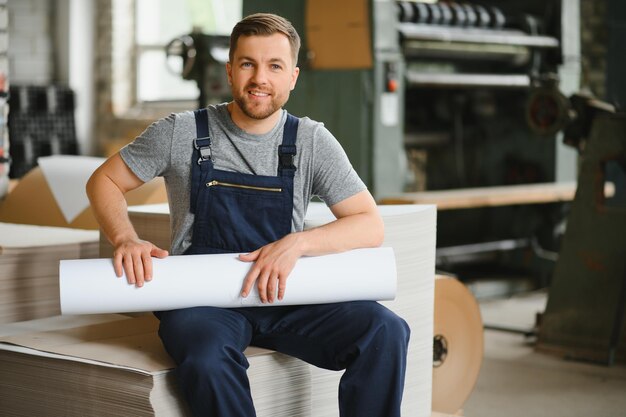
[286, 155]
[205, 150]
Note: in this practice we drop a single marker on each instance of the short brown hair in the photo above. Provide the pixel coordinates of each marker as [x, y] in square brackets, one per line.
[265, 24]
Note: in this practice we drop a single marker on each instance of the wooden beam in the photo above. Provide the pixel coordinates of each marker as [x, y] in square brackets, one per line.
[494, 196]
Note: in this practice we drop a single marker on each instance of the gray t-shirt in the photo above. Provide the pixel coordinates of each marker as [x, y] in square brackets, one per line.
[165, 149]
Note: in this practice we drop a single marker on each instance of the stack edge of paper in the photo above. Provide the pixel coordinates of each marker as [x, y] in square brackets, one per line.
[119, 368]
[29, 267]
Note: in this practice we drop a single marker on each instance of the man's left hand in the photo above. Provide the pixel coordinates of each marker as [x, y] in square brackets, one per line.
[272, 265]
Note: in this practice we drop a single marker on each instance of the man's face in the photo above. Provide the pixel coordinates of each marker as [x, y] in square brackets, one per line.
[262, 74]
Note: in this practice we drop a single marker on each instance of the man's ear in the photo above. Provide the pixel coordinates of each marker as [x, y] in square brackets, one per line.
[229, 73]
[294, 78]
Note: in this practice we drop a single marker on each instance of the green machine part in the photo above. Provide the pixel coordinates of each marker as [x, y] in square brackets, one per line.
[349, 101]
[584, 317]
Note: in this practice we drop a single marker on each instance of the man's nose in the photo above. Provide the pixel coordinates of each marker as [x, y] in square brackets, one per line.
[259, 76]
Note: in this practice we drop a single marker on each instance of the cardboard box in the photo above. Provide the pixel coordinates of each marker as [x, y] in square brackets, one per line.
[32, 202]
[338, 34]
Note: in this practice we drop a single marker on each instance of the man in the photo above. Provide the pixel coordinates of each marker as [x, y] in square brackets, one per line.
[239, 178]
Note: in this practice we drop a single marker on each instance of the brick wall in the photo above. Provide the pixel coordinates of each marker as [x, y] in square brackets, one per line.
[103, 65]
[116, 123]
[30, 46]
[4, 38]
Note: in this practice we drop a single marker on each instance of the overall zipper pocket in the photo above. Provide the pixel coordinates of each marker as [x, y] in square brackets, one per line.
[247, 187]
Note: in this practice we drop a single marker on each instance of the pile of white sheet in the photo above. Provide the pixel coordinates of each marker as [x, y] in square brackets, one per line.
[29, 267]
[281, 386]
[119, 368]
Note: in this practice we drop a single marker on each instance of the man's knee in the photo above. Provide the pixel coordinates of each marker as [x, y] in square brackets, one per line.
[391, 328]
[202, 368]
[203, 332]
[395, 328]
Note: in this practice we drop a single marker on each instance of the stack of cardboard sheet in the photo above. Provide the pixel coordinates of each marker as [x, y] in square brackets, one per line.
[29, 267]
[281, 386]
[52, 194]
[119, 368]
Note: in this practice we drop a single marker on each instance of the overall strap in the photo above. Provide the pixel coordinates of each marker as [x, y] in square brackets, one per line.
[201, 159]
[287, 150]
[202, 143]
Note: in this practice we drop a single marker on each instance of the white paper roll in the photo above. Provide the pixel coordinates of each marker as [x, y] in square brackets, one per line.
[89, 286]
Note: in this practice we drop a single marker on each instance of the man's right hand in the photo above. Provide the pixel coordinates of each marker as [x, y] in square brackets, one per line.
[134, 257]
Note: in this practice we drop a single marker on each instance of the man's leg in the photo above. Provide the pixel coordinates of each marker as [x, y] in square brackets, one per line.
[366, 339]
[207, 344]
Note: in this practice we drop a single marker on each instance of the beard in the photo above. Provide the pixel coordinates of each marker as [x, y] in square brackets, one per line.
[258, 111]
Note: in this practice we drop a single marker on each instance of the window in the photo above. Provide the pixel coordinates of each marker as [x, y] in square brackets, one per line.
[157, 22]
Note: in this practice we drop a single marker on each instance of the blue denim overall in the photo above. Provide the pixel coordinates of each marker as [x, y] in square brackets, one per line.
[237, 212]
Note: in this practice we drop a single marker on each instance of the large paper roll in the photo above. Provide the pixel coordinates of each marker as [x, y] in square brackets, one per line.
[90, 286]
[458, 345]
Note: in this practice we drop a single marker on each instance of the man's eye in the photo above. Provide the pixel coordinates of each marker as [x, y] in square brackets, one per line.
[246, 65]
[276, 67]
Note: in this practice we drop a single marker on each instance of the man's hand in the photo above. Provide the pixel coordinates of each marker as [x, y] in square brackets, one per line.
[272, 265]
[135, 258]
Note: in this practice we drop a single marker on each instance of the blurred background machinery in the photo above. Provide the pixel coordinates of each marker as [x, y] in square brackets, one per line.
[201, 58]
[585, 314]
[483, 107]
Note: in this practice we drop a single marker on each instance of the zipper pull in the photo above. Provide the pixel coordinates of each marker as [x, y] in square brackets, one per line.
[211, 183]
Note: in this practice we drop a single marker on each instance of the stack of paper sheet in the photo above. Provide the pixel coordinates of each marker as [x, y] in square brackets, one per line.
[119, 368]
[29, 267]
[411, 231]
[281, 386]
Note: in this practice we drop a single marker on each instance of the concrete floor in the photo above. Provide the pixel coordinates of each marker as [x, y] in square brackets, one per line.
[517, 381]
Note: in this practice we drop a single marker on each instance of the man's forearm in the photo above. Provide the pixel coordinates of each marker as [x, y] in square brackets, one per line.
[110, 208]
[358, 225]
[361, 230]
